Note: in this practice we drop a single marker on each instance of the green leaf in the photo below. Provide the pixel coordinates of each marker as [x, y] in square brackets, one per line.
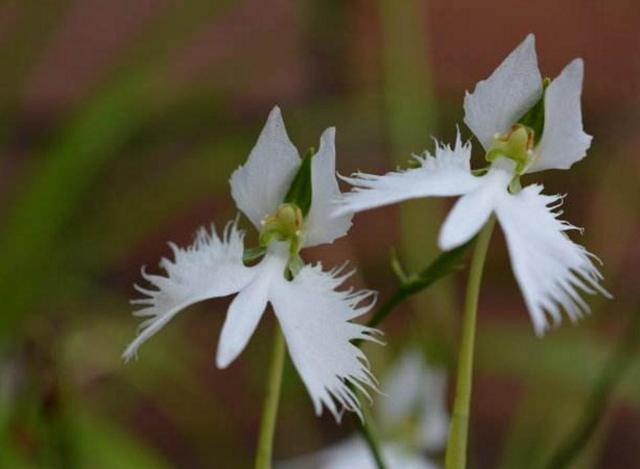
[300, 190]
[596, 406]
[103, 445]
[410, 110]
[57, 185]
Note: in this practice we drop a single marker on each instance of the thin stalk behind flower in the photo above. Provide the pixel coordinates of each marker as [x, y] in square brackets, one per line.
[443, 265]
[410, 114]
[369, 432]
[612, 373]
[405, 74]
[271, 401]
[456, 455]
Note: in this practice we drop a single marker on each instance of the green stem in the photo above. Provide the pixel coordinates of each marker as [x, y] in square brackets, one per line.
[270, 409]
[458, 434]
[367, 429]
[596, 406]
[444, 264]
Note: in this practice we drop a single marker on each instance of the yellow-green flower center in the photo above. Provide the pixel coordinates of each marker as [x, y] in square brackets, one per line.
[516, 145]
[285, 224]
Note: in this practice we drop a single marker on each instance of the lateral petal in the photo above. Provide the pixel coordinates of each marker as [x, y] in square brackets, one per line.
[321, 226]
[552, 270]
[316, 322]
[447, 173]
[499, 101]
[259, 186]
[211, 267]
[564, 141]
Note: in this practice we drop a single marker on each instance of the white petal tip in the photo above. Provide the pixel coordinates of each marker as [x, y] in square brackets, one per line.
[447, 242]
[221, 365]
[223, 360]
[576, 65]
[275, 120]
[575, 70]
[327, 143]
[540, 332]
[328, 135]
[444, 246]
[226, 355]
[275, 111]
[128, 355]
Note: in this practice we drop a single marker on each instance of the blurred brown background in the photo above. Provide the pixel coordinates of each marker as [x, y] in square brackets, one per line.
[121, 122]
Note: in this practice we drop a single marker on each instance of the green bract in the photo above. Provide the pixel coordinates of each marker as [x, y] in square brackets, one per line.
[287, 223]
[534, 118]
[300, 191]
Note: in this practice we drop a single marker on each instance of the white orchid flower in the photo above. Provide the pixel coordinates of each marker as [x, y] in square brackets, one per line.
[414, 399]
[315, 318]
[353, 453]
[525, 124]
[416, 392]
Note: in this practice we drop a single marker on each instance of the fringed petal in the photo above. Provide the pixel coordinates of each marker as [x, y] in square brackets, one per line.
[211, 267]
[315, 319]
[551, 269]
[447, 173]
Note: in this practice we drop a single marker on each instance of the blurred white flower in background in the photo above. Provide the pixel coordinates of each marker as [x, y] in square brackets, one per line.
[412, 420]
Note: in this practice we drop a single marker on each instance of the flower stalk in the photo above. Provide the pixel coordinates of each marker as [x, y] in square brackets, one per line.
[270, 409]
[597, 404]
[458, 434]
[442, 266]
[368, 430]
